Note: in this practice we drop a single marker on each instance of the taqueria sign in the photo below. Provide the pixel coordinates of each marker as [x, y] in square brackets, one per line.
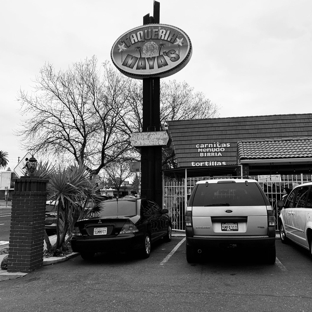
[153, 50]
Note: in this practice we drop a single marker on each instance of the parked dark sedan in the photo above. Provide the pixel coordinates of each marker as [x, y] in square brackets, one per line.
[50, 217]
[121, 225]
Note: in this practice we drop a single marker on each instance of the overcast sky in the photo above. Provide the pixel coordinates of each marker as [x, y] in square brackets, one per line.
[250, 57]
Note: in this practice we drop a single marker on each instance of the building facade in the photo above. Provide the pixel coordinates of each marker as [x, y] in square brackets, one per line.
[276, 150]
[243, 146]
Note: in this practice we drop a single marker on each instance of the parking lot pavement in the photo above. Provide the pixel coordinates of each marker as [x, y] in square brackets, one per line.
[4, 275]
[223, 282]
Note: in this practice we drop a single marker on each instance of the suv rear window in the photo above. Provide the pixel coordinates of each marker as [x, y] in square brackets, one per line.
[228, 194]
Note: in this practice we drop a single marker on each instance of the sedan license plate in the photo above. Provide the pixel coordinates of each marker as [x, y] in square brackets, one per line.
[229, 226]
[100, 231]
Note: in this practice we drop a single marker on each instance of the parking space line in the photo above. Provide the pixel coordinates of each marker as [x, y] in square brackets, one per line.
[172, 251]
[280, 265]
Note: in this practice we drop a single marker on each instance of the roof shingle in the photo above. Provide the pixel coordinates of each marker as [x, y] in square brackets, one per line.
[272, 149]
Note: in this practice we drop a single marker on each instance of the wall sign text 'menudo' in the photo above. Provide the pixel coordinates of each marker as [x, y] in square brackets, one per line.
[153, 50]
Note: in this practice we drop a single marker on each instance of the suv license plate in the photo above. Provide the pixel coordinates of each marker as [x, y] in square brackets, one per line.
[229, 226]
[100, 231]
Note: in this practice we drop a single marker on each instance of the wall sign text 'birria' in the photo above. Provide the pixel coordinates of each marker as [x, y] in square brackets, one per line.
[153, 50]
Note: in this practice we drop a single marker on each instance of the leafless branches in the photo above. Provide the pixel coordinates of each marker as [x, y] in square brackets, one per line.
[87, 115]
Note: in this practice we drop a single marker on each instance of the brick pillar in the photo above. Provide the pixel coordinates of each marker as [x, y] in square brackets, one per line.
[27, 225]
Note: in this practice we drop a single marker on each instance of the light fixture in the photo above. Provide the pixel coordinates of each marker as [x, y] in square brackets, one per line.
[31, 166]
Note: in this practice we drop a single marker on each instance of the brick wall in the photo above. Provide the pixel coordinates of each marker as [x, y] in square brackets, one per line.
[27, 225]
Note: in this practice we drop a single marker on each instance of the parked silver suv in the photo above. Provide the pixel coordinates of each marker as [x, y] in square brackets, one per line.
[296, 216]
[229, 213]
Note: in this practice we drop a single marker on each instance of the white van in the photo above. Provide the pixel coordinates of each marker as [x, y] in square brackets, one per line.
[229, 213]
[296, 216]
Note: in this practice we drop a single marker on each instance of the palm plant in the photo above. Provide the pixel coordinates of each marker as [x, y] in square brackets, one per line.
[70, 189]
[3, 159]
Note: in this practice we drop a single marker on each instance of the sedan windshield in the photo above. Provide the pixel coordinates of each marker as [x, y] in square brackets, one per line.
[118, 208]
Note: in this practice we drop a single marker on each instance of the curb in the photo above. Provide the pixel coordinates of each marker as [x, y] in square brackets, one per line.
[46, 261]
[54, 260]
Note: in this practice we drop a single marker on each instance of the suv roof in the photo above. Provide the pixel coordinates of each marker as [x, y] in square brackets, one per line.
[226, 181]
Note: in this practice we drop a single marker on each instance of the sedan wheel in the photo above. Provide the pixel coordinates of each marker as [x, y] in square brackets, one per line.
[167, 237]
[146, 249]
[283, 234]
[87, 255]
[311, 247]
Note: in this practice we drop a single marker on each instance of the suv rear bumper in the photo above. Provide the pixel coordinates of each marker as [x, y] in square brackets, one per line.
[205, 242]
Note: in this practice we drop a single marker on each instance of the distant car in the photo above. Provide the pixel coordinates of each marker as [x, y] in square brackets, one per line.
[229, 213]
[296, 216]
[123, 224]
[50, 217]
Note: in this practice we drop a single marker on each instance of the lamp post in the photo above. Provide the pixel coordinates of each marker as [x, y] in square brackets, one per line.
[31, 166]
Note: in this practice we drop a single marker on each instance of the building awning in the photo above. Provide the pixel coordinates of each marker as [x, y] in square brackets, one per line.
[233, 170]
[275, 151]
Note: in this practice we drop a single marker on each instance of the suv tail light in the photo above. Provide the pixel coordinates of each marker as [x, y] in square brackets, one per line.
[189, 224]
[188, 218]
[271, 223]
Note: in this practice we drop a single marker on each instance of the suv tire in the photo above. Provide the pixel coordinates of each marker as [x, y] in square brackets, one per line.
[270, 255]
[190, 254]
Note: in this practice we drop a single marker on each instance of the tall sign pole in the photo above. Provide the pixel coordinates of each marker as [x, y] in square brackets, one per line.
[151, 52]
[151, 156]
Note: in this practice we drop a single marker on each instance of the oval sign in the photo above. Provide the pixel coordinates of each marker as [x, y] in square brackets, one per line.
[153, 50]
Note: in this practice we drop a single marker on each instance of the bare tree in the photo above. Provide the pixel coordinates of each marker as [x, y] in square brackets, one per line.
[118, 172]
[178, 101]
[88, 116]
[77, 113]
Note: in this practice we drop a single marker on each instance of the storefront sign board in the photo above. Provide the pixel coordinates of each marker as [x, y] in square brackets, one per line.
[156, 138]
[269, 178]
[152, 50]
